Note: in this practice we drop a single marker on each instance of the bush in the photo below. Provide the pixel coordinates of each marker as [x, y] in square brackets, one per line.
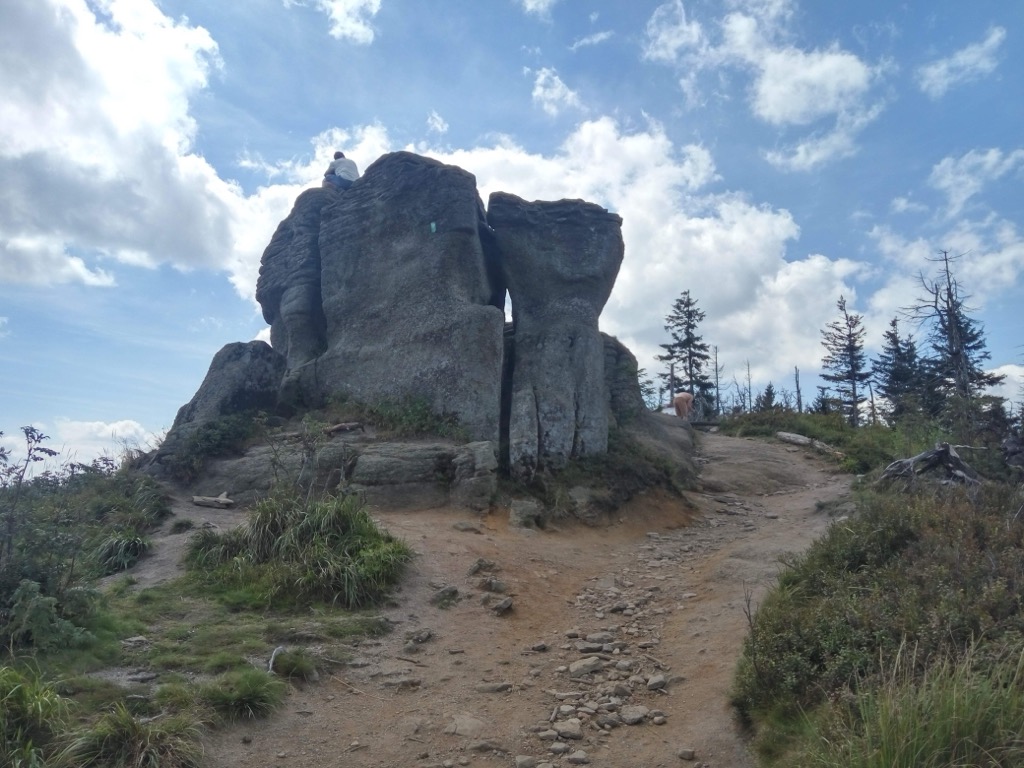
[940, 574]
[295, 663]
[225, 436]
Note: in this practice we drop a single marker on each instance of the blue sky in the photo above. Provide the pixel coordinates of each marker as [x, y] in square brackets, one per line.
[767, 155]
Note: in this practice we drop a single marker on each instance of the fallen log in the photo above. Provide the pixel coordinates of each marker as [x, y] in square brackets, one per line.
[795, 439]
[218, 502]
[943, 459]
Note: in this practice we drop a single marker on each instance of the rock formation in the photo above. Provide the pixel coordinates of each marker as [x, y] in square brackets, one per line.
[559, 261]
[394, 290]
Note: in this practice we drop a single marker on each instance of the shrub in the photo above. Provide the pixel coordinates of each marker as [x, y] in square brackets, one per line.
[940, 573]
[221, 437]
[120, 740]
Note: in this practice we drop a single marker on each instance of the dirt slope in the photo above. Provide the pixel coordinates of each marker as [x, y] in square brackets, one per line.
[661, 595]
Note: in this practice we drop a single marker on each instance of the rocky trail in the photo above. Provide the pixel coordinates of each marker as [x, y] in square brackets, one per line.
[564, 646]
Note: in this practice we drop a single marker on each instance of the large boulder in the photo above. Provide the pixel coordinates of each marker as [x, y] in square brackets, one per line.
[407, 295]
[559, 260]
[288, 288]
[621, 375]
[242, 378]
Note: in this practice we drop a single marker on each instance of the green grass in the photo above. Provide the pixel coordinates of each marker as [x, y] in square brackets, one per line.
[119, 739]
[960, 712]
[942, 573]
[328, 550]
[243, 694]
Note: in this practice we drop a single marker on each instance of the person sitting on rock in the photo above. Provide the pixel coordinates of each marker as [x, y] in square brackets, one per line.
[341, 173]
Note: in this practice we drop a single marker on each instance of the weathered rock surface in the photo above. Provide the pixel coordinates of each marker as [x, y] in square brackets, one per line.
[393, 475]
[559, 260]
[406, 294]
[288, 288]
[395, 291]
[243, 377]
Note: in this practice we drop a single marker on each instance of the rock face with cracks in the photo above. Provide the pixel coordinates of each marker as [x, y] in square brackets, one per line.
[559, 261]
[394, 291]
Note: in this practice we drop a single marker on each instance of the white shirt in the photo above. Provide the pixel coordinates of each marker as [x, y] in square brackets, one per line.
[344, 168]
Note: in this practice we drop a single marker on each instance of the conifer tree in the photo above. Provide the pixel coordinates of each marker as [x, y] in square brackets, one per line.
[688, 351]
[899, 375]
[845, 362]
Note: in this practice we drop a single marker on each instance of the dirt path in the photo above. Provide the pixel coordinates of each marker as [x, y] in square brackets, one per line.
[652, 605]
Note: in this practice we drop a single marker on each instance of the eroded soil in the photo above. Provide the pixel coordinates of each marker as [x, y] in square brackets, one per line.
[663, 591]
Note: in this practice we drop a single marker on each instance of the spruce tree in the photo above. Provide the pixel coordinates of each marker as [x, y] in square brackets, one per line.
[956, 378]
[845, 362]
[899, 374]
[687, 351]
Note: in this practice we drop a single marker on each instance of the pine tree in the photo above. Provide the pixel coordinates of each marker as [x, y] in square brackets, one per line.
[688, 351]
[845, 361]
[899, 374]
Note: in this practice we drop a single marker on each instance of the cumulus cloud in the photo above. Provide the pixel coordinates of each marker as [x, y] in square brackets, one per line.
[595, 39]
[668, 33]
[961, 178]
[350, 19]
[84, 441]
[798, 87]
[552, 95]
[817, 149]
[970, 63]
[790, 87]
[96, 143]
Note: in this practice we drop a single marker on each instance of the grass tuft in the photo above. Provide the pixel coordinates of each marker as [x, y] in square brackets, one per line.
[118, 739]
[243, 695]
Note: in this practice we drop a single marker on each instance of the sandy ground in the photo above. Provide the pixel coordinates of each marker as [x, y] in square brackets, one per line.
[666, 588]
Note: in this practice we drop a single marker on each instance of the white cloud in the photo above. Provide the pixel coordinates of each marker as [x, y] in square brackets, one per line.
[595, 39]
[964, 177]
[95, 142]
[818, 149]
[966, 65]
[796, 87]
[538, 7]
[552, 95]
[668, 33]
[350, 19]
[791, 87]
[1012, 388]
[436, 123]
[3, 327]
[83, 441]
[903, 204]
